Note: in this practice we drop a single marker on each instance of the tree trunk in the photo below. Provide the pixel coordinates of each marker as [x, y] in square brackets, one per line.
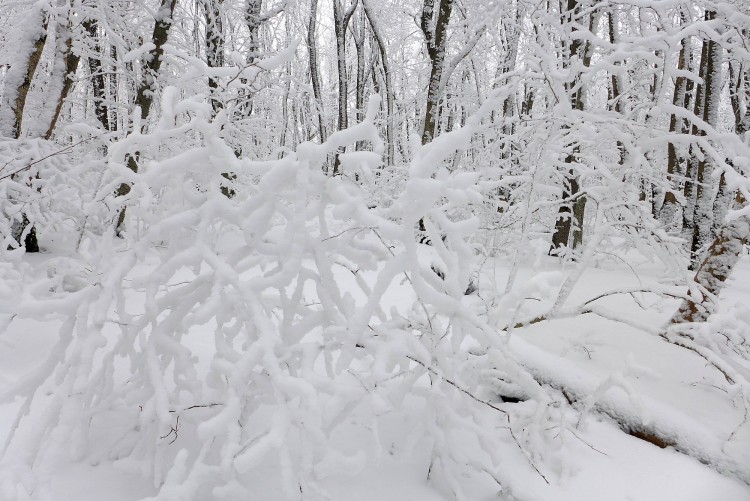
[70, 62]
[508, 64]
[215, 59]
[616, 97]
[253, 21]
[341, 20]
[16, 88]
[314, 71]
[691, 170]
[703, 216]
[114, 89]
[436, 38]
[389, 93]
[739, 98]
[722, 256]
[675, 164]
[569, 223]
[96, 72]
[724, 252]
[284, 140]
[359, 34]
[147, 88]
[19, 76]
[214, 47]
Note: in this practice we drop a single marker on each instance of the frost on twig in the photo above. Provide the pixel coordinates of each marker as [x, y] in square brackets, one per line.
[271, 308]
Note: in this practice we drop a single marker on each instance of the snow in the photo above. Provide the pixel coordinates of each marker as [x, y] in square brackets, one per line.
[617, 369]
[299, 340]
[295, 343]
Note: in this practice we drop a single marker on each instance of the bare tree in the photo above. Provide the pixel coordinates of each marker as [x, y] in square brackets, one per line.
[739, 98]
[214, 46]
[359, 34]
[147, 89]
[65, 55]
[434, 28]
[341, 20]
[314, 71]
[253, 21]
[721, 258]
[691, 168]
[569, 223]
[213, 10]
[96, 73]
[389, 92]
[704, 196]
[683, 88]
[16, 88]
[730, 236]
[20, 74]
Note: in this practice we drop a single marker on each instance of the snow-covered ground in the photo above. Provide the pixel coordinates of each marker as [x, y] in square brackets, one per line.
[606, 366]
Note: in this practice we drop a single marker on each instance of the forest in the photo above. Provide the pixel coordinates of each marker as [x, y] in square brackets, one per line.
[374, 250]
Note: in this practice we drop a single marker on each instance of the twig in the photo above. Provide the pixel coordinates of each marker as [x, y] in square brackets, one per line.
[198, 406]
[174, 429]
[488, 404]
[510, 429]
[456, 385]
[678, 341]
[359, 230]
[587, 351]
[408, 278]
[28, 166]
[572, 431]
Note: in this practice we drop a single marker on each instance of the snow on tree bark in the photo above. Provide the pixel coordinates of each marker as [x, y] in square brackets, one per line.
[96, 74]
[435, 32]
[289, 287]
[341, 20]
[675, 160]
[17, 83]
[312, 49]
[253, 21]
[703, 216]
[691, 171]
[568, 232]
[214, 46]
[68, 59]
[148, 89]
[389, 92]
[721, 258]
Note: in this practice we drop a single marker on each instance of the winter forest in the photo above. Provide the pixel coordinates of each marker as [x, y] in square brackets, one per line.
[374, 250]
